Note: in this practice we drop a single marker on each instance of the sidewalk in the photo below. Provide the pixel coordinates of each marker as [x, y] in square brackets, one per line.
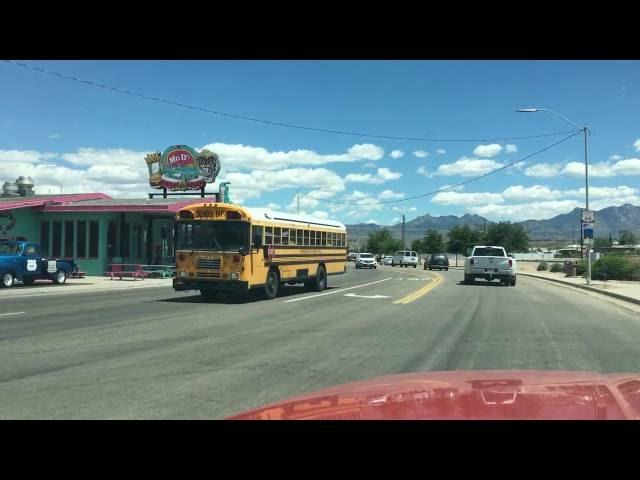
[623, 290]
[81, 285]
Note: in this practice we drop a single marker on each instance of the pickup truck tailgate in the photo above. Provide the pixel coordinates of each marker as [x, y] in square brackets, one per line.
[491, 264]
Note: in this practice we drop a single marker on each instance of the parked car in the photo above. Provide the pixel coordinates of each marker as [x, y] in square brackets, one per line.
[22, 261]
[387, 260]
[366, 260]
[490, 263]
[437, 261]
[351, 257]
[405, 258]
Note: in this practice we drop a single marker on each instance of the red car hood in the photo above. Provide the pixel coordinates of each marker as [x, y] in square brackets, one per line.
[466, 395]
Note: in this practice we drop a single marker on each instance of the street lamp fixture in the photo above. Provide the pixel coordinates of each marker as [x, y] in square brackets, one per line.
[585, 131]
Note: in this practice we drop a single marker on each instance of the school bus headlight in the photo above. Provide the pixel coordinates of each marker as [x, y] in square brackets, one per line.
[233, 275]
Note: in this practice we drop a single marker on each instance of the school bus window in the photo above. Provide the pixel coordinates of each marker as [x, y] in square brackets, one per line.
[344, 239]
[334, 239]
[312, 237]
[324, 239]
[256, 230]
[276, 235]
[299, 237]
[329, 239]
[268, 235]
[285, 236]
[306, 237]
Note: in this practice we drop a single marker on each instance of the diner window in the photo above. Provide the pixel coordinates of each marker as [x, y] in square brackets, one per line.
[44, 237]
[68, 238]
[81, 240]
[94, 238]
[56, 249]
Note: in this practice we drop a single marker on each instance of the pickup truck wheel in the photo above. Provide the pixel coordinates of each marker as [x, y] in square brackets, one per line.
[513, 282]
[60, 277]
[468, 280]
[8, 280]
[415, 266]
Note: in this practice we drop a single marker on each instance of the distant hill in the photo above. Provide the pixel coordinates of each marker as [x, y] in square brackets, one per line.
[561, 227]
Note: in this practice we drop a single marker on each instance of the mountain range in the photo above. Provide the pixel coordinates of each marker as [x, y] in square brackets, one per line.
[565, 226]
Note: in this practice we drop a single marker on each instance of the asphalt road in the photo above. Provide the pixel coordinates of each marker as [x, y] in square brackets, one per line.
[155, 353]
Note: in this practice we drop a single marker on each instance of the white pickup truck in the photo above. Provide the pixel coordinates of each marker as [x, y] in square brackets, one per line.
[490, 263]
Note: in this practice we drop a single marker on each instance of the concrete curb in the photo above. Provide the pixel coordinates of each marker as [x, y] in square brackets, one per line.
[585, 287]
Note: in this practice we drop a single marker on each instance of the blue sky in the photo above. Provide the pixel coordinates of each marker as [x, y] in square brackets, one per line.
[80, 138]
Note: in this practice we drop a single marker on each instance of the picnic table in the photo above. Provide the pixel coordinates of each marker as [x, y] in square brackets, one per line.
[159, 271]
[120, 270]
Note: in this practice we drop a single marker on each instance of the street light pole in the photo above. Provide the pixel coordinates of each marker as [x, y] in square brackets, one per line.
[585, 131]
[403, 223]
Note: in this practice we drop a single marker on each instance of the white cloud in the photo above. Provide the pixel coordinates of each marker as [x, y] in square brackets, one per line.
[629, 166]
[441, 151]
[421, 153]
[525, 211]
[18, 157]
[372, 220]
[412, 209]
[390, 195]
[468, 167]
[476, 198]
[423, 171]
[397, 154]
[55, 135]
[381, 176]
[636, 144]
[615, 157]
[369, 165]
[364, 202]
[535, 192]
[273, 206]
[235, 157]
[396, 220]
[320, 214]
[251, 185]
[543, 170]
[113, 157]
[510, 148]
[487, 151]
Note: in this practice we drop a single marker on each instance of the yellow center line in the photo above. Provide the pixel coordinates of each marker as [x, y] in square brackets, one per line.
[422, 291]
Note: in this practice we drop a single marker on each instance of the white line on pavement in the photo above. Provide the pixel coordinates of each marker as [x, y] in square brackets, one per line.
[336, 291]
[12, 313]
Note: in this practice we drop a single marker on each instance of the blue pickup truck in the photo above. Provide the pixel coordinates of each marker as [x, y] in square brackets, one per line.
[22, 261]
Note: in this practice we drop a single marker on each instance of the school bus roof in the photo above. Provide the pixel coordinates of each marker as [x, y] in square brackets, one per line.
[268, 214]
[258, 214]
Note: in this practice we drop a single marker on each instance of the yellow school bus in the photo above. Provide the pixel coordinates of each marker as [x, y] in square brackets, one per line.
[225, 247]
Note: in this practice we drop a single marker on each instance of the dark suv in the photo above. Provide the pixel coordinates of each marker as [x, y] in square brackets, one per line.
[437, 260]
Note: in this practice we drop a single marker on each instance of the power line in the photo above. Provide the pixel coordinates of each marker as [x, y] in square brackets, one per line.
[271, 122]
[452, 186]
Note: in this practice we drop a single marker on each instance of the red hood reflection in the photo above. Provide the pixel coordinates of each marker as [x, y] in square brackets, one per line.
[468, 395]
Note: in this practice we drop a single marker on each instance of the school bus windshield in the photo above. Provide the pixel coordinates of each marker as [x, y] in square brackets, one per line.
[220, 235]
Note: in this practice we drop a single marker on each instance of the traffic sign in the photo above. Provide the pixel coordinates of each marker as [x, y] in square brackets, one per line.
[588, 216]
[588, 233]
